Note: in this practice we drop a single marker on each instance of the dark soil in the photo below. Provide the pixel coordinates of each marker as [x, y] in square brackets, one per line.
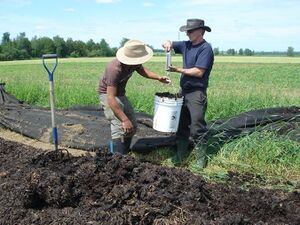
[38, 188]
[168, 95]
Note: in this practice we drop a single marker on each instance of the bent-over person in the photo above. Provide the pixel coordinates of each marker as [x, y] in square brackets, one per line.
[117, 108]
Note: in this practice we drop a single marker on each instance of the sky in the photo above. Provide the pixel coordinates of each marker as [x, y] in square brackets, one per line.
[259, 25]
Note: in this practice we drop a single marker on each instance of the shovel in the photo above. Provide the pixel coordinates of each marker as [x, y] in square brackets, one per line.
[52, 97]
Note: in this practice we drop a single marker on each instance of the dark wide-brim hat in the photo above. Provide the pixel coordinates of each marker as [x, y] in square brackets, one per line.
[192, 24]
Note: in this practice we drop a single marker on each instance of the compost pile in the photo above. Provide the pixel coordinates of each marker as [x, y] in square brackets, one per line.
[38, 188]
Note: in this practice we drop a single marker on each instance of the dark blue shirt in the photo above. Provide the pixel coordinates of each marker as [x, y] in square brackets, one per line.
[200, 56]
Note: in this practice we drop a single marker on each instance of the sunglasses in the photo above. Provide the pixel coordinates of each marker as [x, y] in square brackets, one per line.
[191, 31]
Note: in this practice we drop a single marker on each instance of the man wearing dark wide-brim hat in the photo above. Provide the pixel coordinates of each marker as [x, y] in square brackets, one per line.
[198, 59]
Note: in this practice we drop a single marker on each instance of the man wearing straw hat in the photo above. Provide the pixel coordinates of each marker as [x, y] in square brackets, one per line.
[198, 59]
[117, 108]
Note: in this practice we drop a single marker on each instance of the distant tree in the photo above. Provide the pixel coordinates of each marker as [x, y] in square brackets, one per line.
[150, 46]
[8, 47]
[248, 52]
[43, 45]
[290, 52]
[60, 45]
[80, 49]
[70, 46]
[92, 48]
[114, 51]
[91, 45]
[231, 51]
[5, 38]
[104, 48]
[23, 45]
[2, 56]
[10, 52]
[216, 51]
[241, 51]
[123, 41]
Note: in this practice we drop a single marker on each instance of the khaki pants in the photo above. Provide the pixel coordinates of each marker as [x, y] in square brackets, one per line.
[115, 123]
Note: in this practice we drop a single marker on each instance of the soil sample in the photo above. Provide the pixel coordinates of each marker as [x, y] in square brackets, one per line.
[168, 95]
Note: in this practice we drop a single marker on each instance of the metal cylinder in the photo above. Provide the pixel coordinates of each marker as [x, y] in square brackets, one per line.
[168, 60]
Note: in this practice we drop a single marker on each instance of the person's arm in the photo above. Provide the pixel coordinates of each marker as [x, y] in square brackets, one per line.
[115, 107]
[194, 72]
[151, 75]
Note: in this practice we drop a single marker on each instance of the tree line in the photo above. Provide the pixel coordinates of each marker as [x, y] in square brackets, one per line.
[232, 51]
[248, 52]
[22, 48]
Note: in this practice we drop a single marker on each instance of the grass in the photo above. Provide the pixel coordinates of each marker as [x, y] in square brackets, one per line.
[237, 84]
[260, 153]
[251, 85]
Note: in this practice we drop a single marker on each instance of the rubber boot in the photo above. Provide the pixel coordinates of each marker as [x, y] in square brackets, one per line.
[200, 156]
[127, 142]
[182, 151]
[118, 146]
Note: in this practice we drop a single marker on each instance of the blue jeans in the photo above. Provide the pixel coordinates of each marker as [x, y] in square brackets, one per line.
[192, 118]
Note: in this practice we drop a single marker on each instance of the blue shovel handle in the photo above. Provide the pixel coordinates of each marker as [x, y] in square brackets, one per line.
[50, 56]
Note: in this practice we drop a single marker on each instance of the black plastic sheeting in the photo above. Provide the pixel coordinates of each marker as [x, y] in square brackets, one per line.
[85, 127]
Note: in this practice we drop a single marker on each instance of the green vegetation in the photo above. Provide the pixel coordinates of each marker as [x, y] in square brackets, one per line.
[262, 153]
[20, 48]
[23, 48]
[237, 84]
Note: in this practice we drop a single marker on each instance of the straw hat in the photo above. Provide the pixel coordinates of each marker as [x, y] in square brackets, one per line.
[134, 52]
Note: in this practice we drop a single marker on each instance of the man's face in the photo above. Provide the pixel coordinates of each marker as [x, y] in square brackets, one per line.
[194, 34]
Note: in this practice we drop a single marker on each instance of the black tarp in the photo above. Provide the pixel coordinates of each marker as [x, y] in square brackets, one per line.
[85, 127]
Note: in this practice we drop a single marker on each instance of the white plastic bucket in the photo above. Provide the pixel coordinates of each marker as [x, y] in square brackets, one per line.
[167, 113]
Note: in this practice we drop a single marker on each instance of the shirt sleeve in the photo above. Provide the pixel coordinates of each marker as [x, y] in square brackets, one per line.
[178, 46]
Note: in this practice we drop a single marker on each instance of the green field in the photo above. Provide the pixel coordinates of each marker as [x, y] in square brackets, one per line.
[237, 84]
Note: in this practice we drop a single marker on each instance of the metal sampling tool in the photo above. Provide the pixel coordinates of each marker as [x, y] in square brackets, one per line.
[168, 64]
[168, 60]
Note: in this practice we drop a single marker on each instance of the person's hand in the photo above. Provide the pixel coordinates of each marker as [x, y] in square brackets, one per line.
[173, 69]
[167, 45]
[165, 80]
[127, 126]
